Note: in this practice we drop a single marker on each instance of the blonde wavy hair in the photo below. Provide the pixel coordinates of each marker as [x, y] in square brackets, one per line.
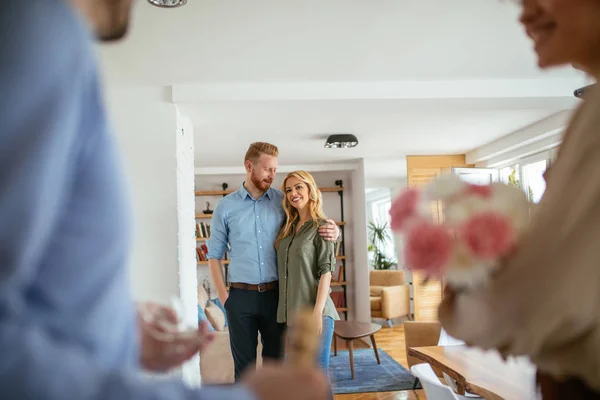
[314, 204]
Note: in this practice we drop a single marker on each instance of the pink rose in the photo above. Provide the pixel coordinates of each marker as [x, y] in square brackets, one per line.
[404, 208]
[488, 235]
[484, 191]
[428, 247]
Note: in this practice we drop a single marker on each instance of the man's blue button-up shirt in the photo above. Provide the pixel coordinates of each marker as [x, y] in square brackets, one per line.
[247, 228]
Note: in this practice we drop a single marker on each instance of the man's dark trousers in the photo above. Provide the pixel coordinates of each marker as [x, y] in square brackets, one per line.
[249, 312]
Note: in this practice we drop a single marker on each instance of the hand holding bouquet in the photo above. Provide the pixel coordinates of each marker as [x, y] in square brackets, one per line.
[480, 225]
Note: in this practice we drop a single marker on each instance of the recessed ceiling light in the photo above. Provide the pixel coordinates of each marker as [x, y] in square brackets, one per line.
[341, 141]
[168, 3]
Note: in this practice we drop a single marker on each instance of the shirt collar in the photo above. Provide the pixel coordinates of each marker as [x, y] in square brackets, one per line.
[269, 193]
[243, 193]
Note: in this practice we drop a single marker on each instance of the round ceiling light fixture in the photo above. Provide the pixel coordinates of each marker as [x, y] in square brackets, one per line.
[168, 3]
[341, 141]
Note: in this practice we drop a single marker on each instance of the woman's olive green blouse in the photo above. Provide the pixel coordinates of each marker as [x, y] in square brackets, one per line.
[302, 258]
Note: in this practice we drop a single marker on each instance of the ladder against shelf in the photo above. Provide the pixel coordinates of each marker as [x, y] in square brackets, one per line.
[339, 296]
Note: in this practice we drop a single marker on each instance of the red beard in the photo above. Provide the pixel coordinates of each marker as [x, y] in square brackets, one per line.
[262, 184]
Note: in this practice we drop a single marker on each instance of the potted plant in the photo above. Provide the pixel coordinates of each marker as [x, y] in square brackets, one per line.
[379, 237]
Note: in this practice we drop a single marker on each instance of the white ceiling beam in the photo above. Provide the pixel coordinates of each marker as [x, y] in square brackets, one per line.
[510, 157]
[542, 133]
[411, 90]
[281, 169]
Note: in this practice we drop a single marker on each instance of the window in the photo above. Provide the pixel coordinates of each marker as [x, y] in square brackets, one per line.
[528, 173]
[511, 175]
[381, 215]
[533, 179]
[381, 211]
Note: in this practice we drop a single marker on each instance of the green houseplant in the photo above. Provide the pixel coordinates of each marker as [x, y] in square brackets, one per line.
[379, 236]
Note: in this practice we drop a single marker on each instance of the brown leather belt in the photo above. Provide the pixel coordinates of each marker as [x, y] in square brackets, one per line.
[263, 287]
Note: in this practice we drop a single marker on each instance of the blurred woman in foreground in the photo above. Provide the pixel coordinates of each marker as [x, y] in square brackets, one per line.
[545, 302]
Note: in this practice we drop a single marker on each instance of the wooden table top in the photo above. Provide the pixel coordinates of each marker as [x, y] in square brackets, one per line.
[482, 372]
[354, 330]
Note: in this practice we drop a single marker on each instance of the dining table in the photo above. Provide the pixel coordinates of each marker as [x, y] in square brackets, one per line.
[482, 372]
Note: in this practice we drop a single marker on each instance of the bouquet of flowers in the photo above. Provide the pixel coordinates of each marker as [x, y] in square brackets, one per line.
[479, 226]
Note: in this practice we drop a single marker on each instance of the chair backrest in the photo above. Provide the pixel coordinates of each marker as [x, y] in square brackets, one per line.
[434, 389]
[447, 340]
[420, 334]
[386, 278]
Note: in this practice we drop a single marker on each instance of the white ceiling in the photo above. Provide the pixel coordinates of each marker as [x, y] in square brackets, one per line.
[385, 128]
[314, 42]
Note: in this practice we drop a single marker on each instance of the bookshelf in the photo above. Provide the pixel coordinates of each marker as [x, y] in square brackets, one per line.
[203, 229]
[339, 284]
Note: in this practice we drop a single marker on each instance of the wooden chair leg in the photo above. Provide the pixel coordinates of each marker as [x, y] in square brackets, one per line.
[351, 352]
[375, 348]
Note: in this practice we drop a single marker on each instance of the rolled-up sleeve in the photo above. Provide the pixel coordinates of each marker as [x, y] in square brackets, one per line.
[219, 234]
[325, 251]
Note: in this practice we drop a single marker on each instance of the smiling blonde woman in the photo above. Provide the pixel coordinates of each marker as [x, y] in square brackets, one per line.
[305, 260]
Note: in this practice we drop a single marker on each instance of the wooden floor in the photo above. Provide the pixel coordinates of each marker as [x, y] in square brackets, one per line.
[391, 340]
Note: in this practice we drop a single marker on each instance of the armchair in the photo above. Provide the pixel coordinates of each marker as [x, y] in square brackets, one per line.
[389, 295]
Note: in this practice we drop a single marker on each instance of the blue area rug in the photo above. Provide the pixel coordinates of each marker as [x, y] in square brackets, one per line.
[368, 375]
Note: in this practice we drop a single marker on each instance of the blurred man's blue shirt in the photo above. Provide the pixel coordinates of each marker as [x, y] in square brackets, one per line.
[67, 321]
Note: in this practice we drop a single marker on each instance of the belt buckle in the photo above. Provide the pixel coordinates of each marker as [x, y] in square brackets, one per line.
[262, 287]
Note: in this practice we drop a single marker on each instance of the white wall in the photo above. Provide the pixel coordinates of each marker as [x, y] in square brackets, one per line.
[146, 130]
[360, 291]
[358, 296]
[186, 238]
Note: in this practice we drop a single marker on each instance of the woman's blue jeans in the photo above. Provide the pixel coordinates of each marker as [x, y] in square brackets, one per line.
[326, 338]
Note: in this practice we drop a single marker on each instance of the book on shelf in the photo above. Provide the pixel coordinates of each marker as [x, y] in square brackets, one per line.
[202, 252]
[202, 230]
[338, 298]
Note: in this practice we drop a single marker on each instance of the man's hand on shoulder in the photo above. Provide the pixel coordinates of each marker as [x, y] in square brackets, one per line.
[329, 231]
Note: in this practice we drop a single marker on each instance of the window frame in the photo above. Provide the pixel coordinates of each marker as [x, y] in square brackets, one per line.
[548, 155]
[377, 206]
